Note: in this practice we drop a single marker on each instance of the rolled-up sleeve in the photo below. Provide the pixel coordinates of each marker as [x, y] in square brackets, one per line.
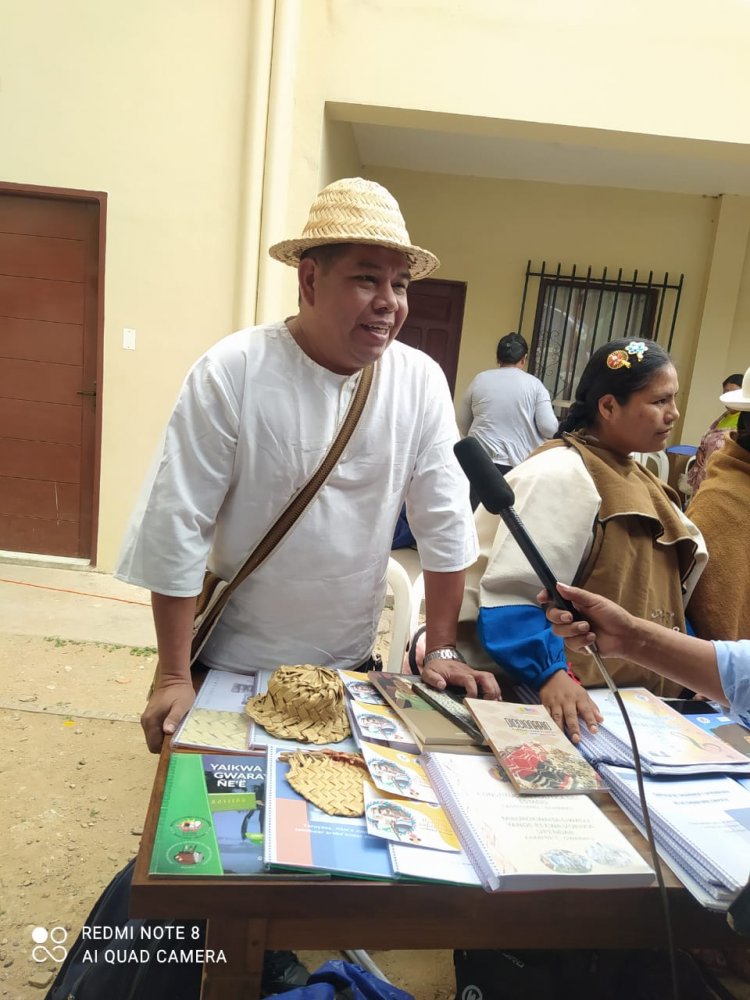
[437, 501]
[733, 661]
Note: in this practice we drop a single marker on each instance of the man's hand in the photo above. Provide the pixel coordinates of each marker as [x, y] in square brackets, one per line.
[440, 673]
[608, 625]
[565, 701]
[166, 708]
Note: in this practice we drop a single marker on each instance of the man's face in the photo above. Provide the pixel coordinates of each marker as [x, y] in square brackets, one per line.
[352, 309]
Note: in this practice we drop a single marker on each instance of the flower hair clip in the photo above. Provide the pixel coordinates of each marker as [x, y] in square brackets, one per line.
[621, 359]
[638, 348]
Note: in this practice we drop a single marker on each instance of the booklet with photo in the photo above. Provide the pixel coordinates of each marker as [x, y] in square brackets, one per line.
[397, 773]
[404, 821]
[528, 842]
[360, 689]
[380, 722]
[533, 751]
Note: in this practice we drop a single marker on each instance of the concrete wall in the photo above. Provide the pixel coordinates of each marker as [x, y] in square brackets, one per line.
[485, 231]
[146, 101]
[206, 123]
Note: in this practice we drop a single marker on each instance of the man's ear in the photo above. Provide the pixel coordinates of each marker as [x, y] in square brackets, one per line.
[307, 276]
[606, 407]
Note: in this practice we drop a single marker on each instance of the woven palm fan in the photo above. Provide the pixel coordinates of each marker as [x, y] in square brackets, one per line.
[331, 781]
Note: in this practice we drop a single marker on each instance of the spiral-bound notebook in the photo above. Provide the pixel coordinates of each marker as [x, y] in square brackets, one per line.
[525, 842]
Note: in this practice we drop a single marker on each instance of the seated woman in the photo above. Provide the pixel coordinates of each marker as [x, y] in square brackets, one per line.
[720, 605]
[602, 522]
[715, 436]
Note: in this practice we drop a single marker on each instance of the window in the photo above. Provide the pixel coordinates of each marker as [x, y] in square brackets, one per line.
[575, 315]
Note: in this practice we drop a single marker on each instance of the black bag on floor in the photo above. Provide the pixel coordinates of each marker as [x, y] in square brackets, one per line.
[639, 974]
[115, 958]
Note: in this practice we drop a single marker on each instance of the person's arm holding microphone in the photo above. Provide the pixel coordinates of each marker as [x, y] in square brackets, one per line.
[719, 670]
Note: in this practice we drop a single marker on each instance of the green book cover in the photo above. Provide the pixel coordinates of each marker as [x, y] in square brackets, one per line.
[211, 818]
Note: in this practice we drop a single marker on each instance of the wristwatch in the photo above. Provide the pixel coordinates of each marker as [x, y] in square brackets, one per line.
[443, 653]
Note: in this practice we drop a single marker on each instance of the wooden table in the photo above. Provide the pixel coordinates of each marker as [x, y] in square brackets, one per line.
[247, 915]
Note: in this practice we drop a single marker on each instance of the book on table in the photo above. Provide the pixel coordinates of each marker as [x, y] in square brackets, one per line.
[532, 750]
[729, 728]
[301, 837]
[701, 826]
[450, 703]
[669, 744]
[211, 817]
[427, 724]
[527, 842]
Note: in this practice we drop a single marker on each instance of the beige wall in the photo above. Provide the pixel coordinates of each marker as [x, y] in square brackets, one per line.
[671, 68]
[484, 232]
[147, 102]
[206, 125]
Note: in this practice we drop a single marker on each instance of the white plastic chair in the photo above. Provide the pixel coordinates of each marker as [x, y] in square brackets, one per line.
[400, 586]
[656, 461]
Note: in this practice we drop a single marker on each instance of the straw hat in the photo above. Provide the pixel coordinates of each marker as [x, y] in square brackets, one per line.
[354, 210]
[304, 703]
[738, 399]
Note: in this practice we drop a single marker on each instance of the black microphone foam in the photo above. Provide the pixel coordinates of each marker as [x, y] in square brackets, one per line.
[488, 483]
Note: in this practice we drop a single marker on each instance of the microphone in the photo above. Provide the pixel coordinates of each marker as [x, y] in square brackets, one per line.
[497, 496]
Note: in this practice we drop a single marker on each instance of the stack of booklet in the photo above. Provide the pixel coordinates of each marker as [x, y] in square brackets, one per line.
[701, 827]
[669, 744]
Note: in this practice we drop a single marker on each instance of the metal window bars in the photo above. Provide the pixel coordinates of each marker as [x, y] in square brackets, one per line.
[579, 311]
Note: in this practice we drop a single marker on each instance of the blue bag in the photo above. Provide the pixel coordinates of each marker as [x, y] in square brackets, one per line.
[337, 978]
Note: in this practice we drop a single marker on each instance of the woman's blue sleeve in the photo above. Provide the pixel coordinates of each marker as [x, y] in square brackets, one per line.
[521, 640]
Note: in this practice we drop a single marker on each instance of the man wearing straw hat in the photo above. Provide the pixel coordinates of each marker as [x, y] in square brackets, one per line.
[254, 419]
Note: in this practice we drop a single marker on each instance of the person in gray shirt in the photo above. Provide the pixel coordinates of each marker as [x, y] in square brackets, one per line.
[507, 410]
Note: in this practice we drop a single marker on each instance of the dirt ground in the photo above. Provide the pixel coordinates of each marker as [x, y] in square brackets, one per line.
[76, 778]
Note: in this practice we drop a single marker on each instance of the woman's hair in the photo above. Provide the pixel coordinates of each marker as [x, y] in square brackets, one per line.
[735, 379]
[623, 376]
[511, 349]
[743, 430]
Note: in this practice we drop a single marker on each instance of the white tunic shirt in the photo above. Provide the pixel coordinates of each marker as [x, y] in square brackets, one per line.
[254, 419]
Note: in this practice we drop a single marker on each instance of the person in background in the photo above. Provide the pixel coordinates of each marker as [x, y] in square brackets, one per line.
[719, 670]
[601, 520]
[720, 605]
[715, 436]
[507, 410]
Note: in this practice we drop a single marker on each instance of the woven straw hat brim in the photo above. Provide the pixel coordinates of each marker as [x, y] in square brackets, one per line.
[421, 262]
[304, 730]
[304, 703]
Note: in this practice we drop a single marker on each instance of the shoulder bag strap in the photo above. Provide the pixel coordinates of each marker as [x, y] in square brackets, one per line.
[302, 499]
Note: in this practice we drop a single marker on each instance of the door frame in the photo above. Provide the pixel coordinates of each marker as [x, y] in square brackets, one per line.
[99, 198]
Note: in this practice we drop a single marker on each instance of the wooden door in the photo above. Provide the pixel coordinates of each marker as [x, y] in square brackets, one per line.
[436, 313]
[50, 334]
